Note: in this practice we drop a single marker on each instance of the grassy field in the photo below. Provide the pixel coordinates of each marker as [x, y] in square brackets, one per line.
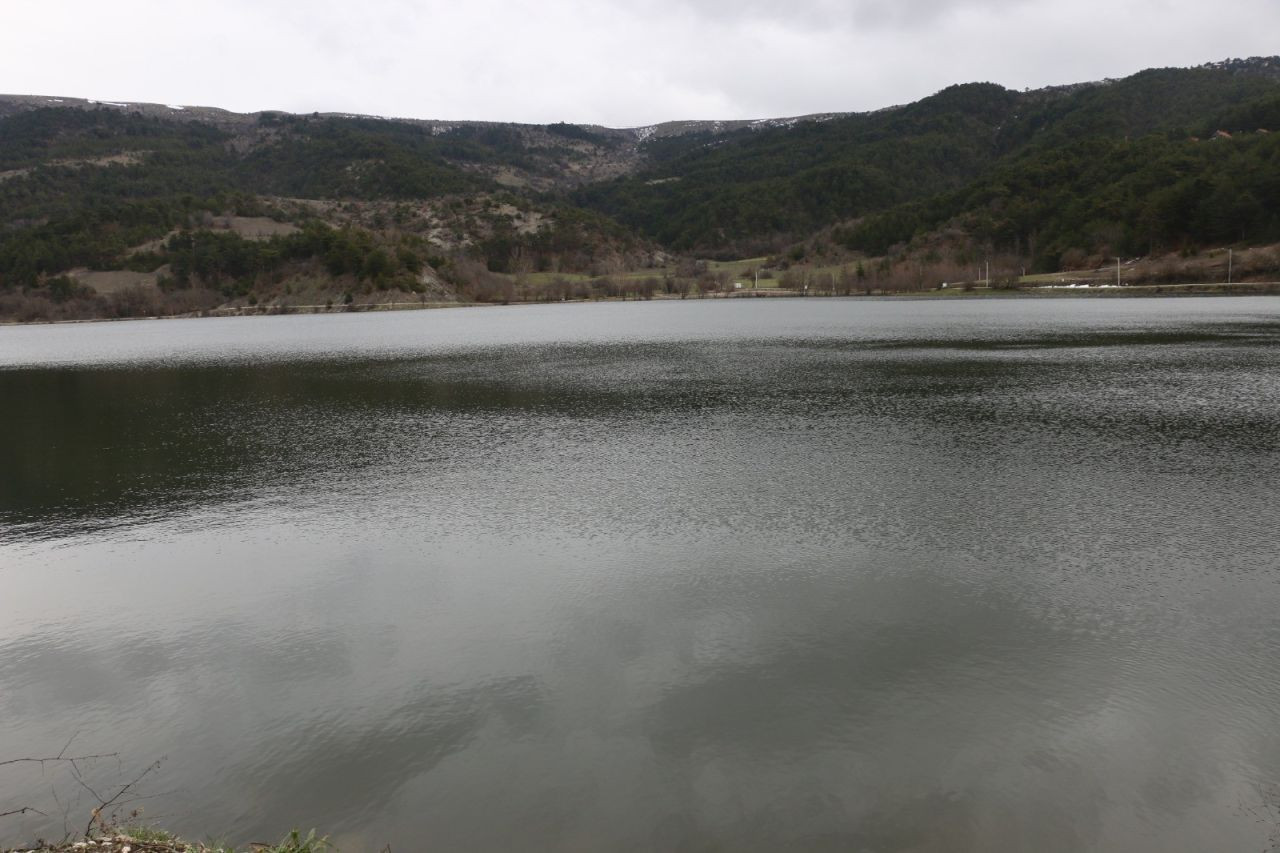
[735, 270]
[549, 277]
[740, 271]
[1201, 270]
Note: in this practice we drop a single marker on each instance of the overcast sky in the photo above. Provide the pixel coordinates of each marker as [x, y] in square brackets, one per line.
[614, 62]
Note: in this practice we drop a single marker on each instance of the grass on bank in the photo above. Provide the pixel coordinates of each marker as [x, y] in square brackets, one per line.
[146, 839]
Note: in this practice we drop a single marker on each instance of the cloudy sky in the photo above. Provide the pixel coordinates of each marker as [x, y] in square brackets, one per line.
[614, 62]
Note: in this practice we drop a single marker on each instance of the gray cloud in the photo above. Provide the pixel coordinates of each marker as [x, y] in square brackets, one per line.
[858, 14]
[618, 62]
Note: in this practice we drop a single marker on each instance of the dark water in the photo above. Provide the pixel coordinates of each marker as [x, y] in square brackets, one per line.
[756, 575]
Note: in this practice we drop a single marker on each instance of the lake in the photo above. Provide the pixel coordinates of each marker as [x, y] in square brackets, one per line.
[711, 575]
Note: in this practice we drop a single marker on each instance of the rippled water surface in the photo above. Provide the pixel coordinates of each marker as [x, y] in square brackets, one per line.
[747, 575]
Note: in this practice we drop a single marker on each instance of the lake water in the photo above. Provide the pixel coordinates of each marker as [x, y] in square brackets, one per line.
[731, 575]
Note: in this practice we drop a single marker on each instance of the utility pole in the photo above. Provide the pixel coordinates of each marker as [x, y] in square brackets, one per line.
[1229, 259]
[756, 284]
[1117, 272]
[988, 274]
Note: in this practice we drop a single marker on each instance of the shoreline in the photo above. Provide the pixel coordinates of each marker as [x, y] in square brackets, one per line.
[1138, 291]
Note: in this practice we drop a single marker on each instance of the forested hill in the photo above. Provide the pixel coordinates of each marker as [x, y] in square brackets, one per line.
[752, 191]
[755, 189]
[1165, 160]
[1168, 159]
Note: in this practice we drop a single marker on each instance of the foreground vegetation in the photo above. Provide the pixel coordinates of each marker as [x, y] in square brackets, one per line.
[142, 839]
[114, 823]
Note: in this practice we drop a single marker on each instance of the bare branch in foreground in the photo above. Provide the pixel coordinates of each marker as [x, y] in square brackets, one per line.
[97, 815]
[61, 756]
[23, 810]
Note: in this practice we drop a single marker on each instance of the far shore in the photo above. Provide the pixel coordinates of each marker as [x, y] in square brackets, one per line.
[1267, 288]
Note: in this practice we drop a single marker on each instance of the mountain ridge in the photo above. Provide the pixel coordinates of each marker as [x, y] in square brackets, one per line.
[11, 103]
[1256, 65]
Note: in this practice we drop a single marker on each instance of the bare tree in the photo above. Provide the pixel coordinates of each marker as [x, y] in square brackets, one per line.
[108, 806]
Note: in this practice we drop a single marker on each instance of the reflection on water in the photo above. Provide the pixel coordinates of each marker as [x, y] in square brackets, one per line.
[804, 575]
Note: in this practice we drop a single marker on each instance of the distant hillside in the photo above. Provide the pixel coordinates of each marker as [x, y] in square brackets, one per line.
[751, 192]
[1162, 161]
[1165, 160]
